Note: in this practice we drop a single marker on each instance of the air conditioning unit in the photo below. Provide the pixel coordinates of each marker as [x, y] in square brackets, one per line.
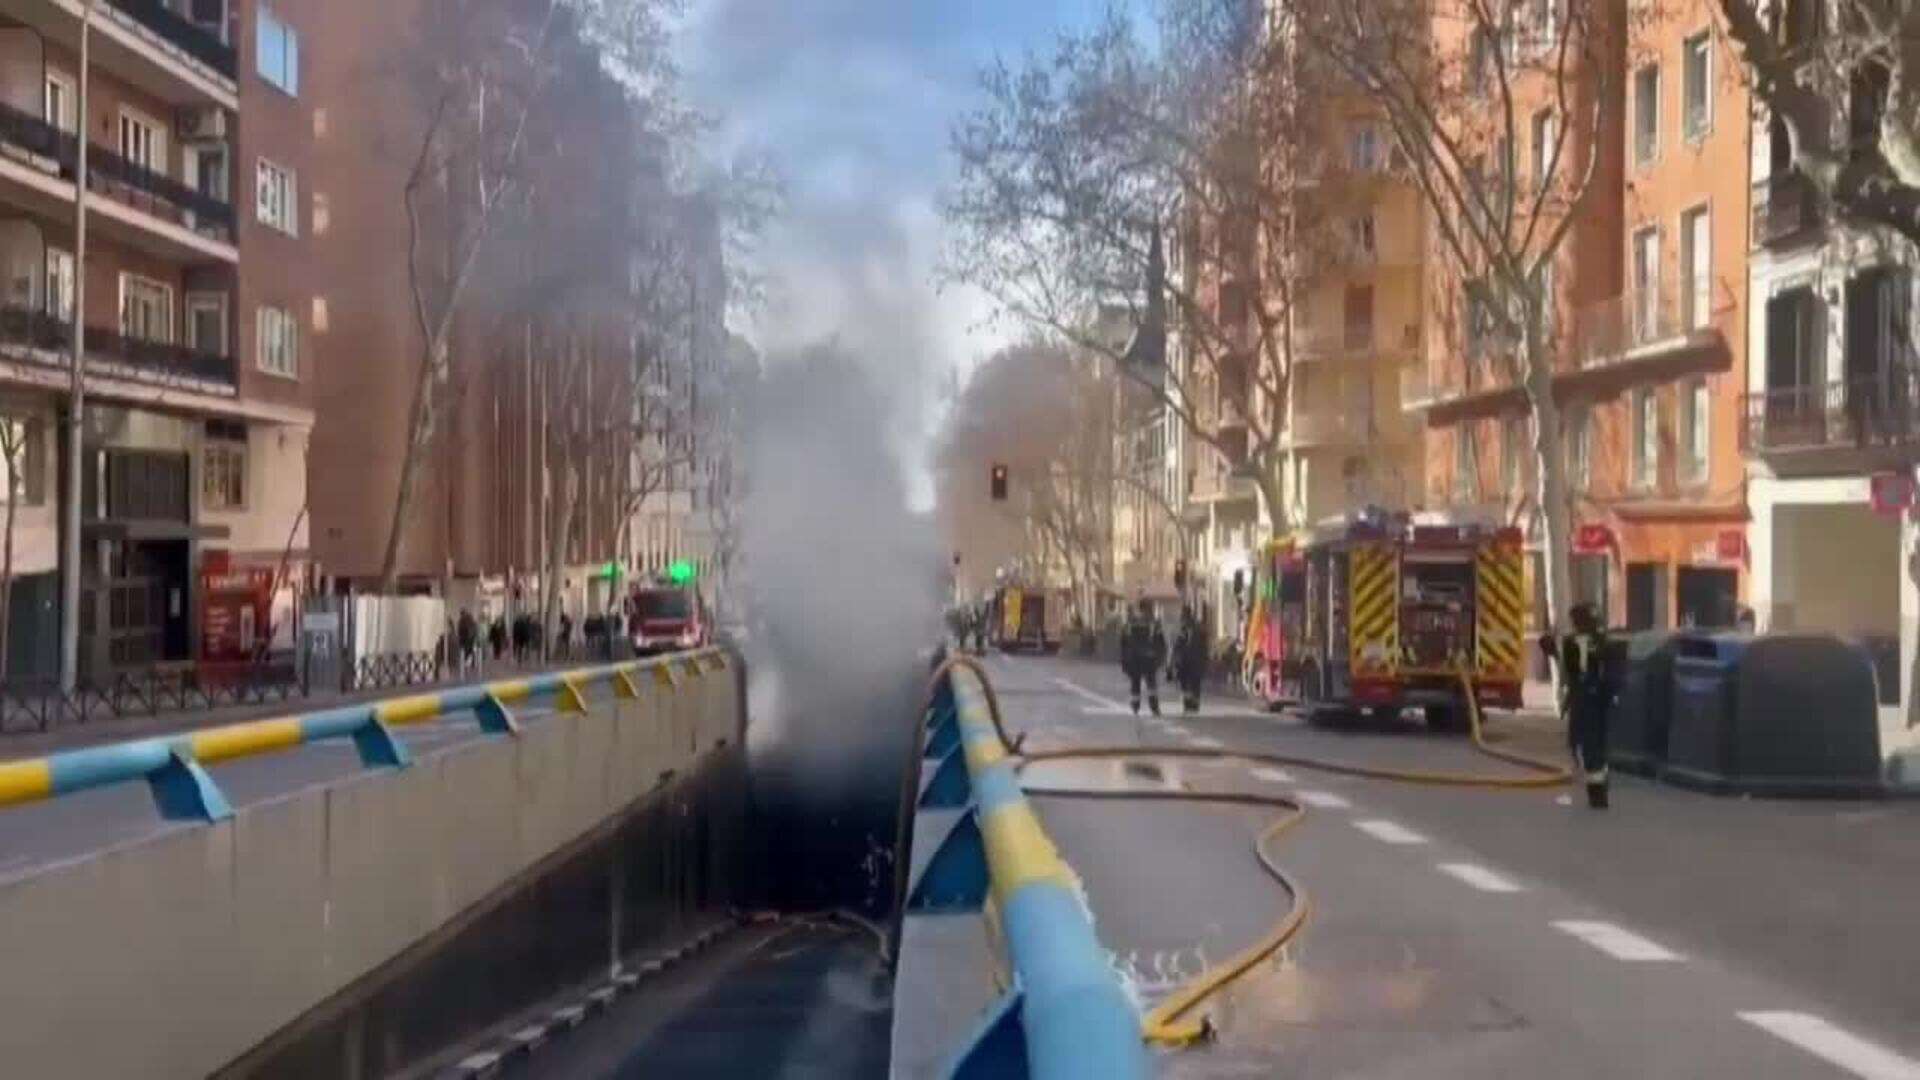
[203, 125]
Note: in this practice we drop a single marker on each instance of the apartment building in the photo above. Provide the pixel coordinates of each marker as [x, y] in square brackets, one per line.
[191, 288]
[1832, 414]
[540, 413]
[1356, 327]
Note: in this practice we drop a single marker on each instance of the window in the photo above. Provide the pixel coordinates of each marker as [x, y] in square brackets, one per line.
[1696, 262]
[1545, 133]
[146, 309]
[206, 166]
[23, 459]
[279, 342]
[59, 100]
[1360, 237]
[1365, 152]
[223, 466]
[1646, 437]
[1646, 113]
[60, 283]
[278, 196]
[276, 50]
[1357, 309]
[1695, 414]
[143, 141]
[1466, 472]
[1513, 449]
[1576, 435]
[1480, 61]
[1645, 303]
[1696, 107]
[1543, 22]
[1549, 302]
[207, 322]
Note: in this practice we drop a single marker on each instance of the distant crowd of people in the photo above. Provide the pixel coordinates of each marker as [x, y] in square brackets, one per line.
[523, 637]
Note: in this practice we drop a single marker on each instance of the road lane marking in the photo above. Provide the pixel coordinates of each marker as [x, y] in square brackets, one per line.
[1389, 832]
[1273, 776]
[1088, 695]
[1868, 1060]
[1207, 741]
[1615, 942]
[1325, 800]
[1480, 877]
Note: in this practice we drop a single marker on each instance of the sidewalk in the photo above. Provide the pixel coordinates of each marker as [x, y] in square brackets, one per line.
[76, 735]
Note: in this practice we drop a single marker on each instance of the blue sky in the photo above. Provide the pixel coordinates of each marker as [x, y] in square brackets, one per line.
[853, 100]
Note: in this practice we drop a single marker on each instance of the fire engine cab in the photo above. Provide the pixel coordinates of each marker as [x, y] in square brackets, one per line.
[1373, 612]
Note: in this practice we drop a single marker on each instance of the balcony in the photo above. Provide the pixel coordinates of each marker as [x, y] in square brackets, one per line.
[179, 214]
[1320, 343]
[1785, 209]
[144, 42]
[1347, 426]
[43, 338]
[1658, 333]
[1868, 413]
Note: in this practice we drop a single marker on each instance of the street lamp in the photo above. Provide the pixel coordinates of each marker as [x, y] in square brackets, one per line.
[77, 388]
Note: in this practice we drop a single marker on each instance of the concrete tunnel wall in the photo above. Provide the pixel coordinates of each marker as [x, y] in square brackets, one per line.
[177, 953]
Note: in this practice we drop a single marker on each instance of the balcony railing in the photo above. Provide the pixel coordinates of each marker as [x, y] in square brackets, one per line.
[1878, 411]
[1671, 313]
[186, 35]
[115, 176]
[1327, 342]
[159, 361]
[1784, 208]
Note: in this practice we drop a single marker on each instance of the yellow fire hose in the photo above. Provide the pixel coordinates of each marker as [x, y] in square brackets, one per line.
[1171, 1022]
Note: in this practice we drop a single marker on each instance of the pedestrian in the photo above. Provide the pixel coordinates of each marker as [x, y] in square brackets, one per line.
[1143, 652]
[1190, 653]
[1587, 688]
[522, 637]
[564, 647]
[497, 637]
[980, 618]
[467, 632]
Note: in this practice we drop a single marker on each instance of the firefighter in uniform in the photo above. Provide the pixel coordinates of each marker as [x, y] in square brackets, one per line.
[1190, 659]
[1586, 696]
[1143, 651]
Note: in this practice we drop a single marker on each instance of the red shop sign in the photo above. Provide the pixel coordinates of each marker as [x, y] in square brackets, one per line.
[1592, 539]
[1730, 545]
[1891, 492]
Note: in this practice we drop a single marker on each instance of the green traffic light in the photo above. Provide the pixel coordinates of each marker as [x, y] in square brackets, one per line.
[680, 572]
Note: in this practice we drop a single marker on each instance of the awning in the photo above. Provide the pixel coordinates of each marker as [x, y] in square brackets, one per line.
[150, 529]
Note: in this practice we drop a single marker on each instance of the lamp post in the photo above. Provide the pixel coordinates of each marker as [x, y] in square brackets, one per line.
[77, 387]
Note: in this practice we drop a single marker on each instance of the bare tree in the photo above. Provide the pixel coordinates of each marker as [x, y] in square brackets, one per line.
[1803, 56]
[1082, 163]
[480, 81]
[15, 435]
[1465, 87]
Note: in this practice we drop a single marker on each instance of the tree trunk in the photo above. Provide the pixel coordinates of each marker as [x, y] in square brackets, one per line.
[1555, 497]
[419, 415]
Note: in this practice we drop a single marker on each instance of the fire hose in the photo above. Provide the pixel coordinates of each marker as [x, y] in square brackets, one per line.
[1173, 1022]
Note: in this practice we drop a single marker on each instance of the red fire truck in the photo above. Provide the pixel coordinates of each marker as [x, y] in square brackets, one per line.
[1375, 613]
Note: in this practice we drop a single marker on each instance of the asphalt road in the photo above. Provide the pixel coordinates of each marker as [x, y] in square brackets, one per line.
[1470, 933]
[37, 835]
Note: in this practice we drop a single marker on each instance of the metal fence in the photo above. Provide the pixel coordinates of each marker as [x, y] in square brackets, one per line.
[39, 705]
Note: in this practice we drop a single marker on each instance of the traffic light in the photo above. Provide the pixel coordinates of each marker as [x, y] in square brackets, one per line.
[1180, 575]
[999, 483]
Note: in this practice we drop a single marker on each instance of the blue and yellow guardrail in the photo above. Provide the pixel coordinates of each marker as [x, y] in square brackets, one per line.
[1066, 1014]
[174, 765]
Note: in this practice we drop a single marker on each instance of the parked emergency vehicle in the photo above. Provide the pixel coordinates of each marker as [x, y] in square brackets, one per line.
[1030, 620]
[665, 617]
[1374, 613]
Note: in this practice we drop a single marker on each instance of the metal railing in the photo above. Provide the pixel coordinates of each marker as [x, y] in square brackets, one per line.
[117, 177]
[1066, 1007]
[188, 36]
[1785, 206]
[49, 333]
[174, 765]
[1330, 342]
[42, 705]
[1670, 312]
[1883, 410]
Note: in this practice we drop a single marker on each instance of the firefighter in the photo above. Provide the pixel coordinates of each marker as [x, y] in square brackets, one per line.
[1190, 649]
[1143, 652]
[1586, 696]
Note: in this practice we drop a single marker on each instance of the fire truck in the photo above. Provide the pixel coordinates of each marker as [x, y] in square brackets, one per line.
[1028, 619]
[1375, 613]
